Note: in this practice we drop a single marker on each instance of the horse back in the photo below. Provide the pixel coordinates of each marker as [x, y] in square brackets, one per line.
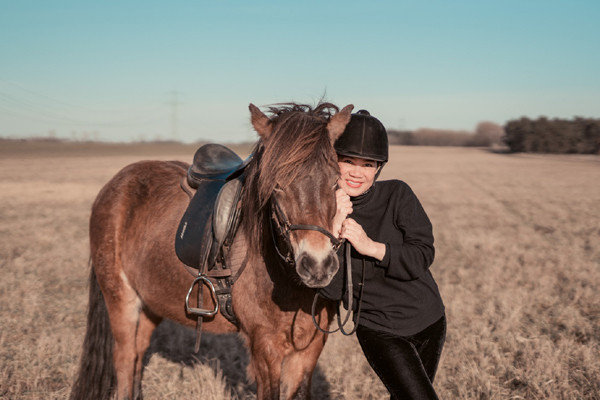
[132, 228]
[142, 194]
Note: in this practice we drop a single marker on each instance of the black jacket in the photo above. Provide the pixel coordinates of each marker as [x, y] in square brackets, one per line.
[400, 294]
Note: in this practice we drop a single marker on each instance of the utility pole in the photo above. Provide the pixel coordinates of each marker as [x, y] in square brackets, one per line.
[174, 103]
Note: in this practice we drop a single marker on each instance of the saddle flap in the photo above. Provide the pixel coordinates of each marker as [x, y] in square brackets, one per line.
[224, 213]
[210, 217]
[190, 233]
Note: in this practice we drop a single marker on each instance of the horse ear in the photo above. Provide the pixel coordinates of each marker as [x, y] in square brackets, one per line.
[260, 121]
[338, 122]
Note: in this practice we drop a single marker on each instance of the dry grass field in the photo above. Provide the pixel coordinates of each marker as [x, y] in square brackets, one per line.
[518, 265]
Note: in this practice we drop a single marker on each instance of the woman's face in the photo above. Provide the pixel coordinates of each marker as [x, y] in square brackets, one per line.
[356, 174]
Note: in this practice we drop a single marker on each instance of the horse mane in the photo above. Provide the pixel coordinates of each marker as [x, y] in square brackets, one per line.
[298, 143]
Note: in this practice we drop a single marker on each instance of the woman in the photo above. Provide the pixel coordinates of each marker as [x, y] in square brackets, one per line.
[401, 322]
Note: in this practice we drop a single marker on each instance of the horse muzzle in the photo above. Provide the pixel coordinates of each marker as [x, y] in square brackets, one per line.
[316, 268]
[313, 253]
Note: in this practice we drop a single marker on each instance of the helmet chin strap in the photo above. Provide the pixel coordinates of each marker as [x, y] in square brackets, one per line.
[379, 168]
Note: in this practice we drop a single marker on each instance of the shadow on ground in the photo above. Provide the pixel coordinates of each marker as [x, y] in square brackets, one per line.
[225, 351]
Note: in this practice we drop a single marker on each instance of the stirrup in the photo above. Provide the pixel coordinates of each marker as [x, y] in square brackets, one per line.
[202, 279]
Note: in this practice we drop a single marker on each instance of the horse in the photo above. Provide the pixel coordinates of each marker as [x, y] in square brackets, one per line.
[136, 279]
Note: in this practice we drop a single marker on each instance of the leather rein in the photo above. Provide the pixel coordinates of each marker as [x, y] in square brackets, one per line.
[280, 223]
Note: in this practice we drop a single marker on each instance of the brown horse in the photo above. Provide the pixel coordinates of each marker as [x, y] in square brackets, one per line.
[136, 279]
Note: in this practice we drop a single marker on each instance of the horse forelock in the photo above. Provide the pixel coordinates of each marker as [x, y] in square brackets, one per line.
[298, 146]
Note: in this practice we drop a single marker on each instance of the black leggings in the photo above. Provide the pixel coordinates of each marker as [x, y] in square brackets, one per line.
[405, 364]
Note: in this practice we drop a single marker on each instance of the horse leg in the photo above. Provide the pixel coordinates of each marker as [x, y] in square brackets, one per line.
[124, 309]
[282, 372]
[146, 325]
[306, 344]
[265, 365]
[296, 372]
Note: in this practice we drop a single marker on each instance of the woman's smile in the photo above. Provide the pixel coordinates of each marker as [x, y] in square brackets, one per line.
[352, 183]
[356, 174]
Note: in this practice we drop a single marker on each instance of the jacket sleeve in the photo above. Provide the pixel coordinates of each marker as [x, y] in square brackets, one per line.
[409, 258]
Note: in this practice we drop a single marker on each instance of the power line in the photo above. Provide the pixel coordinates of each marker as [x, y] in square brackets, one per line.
[33, 106]
[61, 120]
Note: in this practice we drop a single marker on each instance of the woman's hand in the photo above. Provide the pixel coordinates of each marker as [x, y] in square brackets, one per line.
[343, 209]
[355, 234]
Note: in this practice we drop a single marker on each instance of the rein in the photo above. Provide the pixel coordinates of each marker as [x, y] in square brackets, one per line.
[350, 292]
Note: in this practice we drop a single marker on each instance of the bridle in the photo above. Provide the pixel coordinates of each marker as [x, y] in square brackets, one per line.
[281, 224]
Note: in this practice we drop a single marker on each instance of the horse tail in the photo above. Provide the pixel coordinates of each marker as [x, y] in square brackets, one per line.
[96, 377]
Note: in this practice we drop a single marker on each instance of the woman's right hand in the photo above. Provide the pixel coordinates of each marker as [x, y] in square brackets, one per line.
[343, 209]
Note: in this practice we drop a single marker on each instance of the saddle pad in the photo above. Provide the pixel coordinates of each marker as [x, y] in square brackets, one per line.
[188, 241]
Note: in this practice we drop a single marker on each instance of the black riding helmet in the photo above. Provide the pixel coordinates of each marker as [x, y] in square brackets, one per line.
[364, 137]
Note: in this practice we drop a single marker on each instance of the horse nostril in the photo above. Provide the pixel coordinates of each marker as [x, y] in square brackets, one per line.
[307, 263]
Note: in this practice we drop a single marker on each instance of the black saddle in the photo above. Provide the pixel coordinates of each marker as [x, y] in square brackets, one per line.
[217, 176]
[214, 162]
[209, 224]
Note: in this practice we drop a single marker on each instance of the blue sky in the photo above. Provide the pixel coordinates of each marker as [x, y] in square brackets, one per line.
[131, 70]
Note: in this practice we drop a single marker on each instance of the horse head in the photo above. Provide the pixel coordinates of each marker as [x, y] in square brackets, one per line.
[294, 186]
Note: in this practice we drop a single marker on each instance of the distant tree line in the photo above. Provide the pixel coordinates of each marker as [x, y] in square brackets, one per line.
[486, 134]
[581, 135]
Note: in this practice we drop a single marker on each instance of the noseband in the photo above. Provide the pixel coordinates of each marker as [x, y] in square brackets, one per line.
[280, 223]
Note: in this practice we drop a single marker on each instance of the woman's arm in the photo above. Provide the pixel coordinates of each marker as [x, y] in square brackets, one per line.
[410, 258]
[355, 234]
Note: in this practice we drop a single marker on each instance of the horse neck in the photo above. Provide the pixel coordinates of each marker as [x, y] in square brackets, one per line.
[253, 214]
[262, 271]
[261, 257]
